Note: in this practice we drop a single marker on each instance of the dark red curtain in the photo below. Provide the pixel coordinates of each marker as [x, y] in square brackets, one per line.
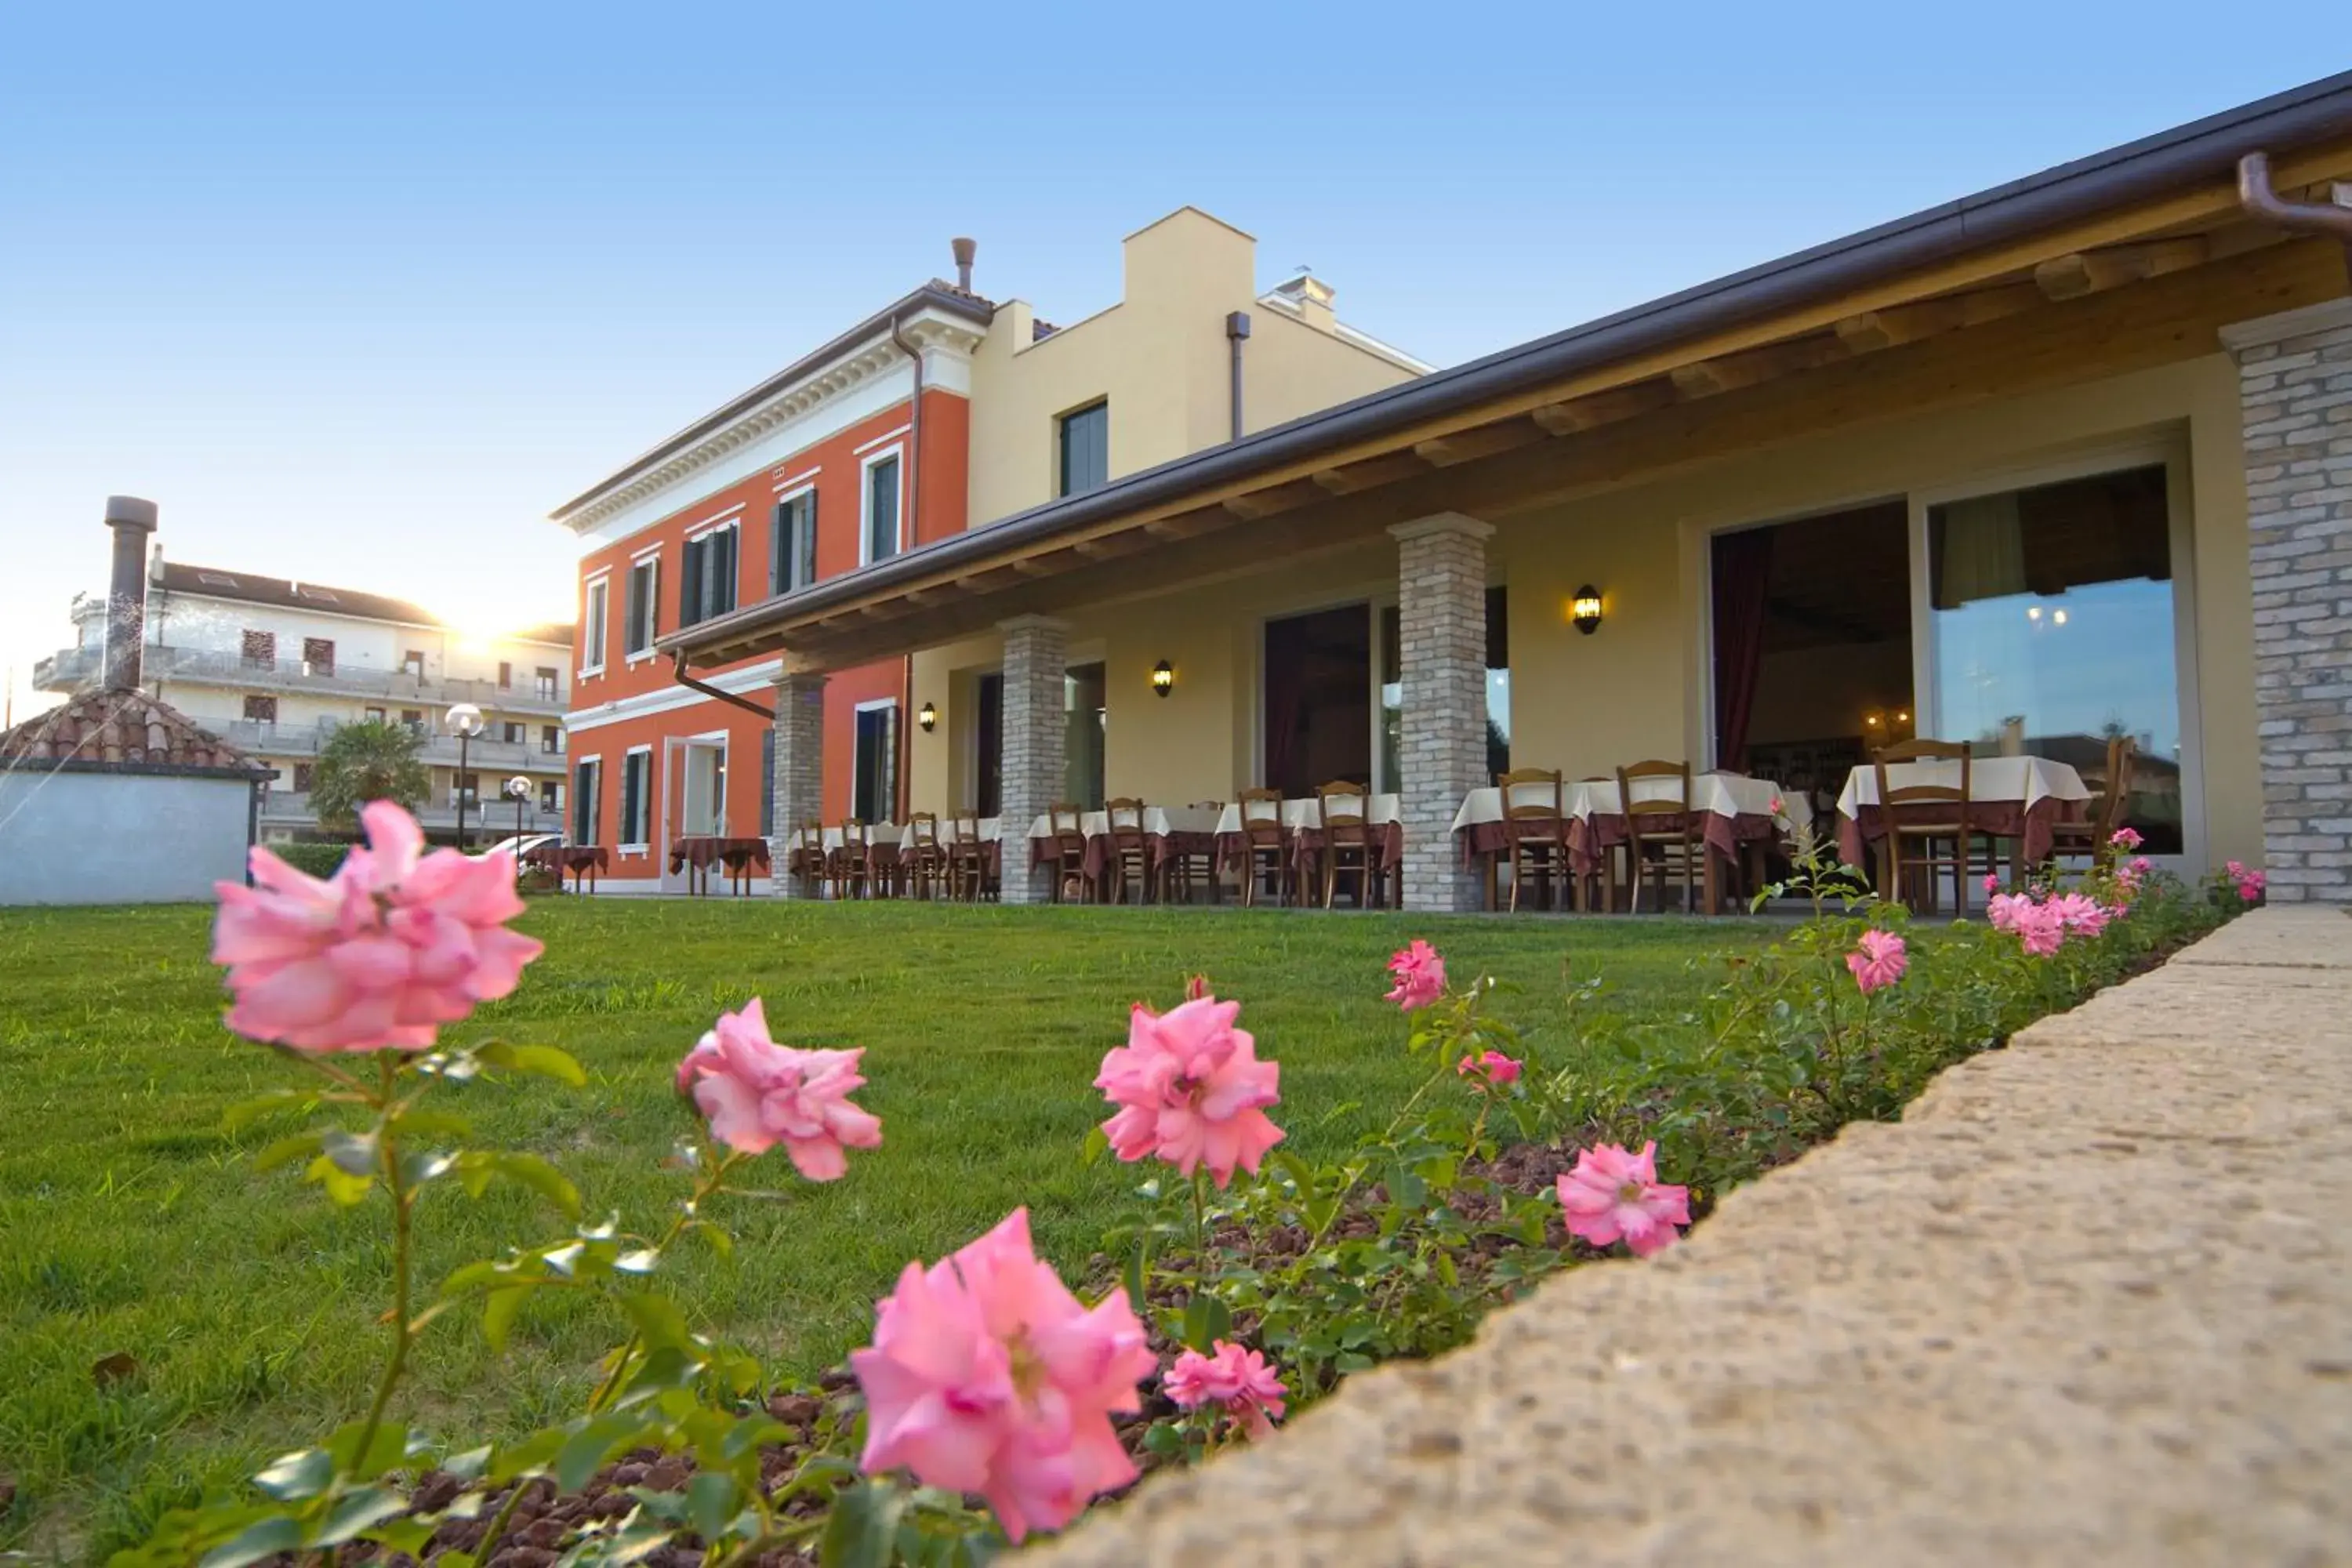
[1743, 570]
[1283, 680]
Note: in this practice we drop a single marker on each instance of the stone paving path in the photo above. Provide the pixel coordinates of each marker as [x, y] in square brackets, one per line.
[2091, 1302]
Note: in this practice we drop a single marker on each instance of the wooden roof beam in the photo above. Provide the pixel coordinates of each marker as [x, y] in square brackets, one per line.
[1350, 478]
[2085, 273]
[1580, 413]
[1190, 524]
[1479, 441]
[1111, 546]
[1253, 505]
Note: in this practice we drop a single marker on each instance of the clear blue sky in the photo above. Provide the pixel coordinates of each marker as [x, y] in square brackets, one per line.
[359, 298]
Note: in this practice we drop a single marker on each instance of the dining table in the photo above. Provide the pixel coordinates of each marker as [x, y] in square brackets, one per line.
[2020, 799]
[1168, 831]
[1737, 816]
[696, 853]
[1302, 829]
[585, 861]
[989, 830]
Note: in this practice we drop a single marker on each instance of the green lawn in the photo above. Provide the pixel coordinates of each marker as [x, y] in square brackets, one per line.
[132, 1225]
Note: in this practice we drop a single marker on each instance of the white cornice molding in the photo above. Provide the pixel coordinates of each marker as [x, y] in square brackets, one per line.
[931, 333]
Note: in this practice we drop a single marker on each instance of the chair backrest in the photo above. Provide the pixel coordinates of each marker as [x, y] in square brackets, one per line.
[853, 833]
[1655, 801]
[1125, 816]
[925, 825]
[2122, 752]
[1069, 824]
[1261, 814]
[1531, 795]
[1922, 752]
[963, 828]
[1340, 804]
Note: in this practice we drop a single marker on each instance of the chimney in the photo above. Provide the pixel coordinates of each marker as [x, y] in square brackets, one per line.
[1310, 297]
[965, 249]
[132, 520]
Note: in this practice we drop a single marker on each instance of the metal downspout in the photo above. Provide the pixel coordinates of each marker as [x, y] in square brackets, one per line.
[901, 742]
[2258, 197]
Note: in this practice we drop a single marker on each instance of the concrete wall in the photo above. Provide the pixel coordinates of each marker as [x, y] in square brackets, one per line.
[119, 838]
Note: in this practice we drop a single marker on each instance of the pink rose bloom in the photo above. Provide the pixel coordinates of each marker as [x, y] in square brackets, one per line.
[2002, 909]
[758, 1094]
[1612, 1195]
[2142, 866]
[2125, 838]
[1420, 976]
[1235, 1380]
[1991, 884]
[986, 1375]
[1493, 1066]
[1878, 961]
[1189, 1088]
[2252, 884]
[2080, 914]
[2041, 929]
[396, 944]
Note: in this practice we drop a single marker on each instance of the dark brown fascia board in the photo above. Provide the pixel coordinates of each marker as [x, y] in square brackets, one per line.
[972, 308]
[2203, 149]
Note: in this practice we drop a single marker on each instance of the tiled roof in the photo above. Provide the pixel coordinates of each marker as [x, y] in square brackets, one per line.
[553, 631]
[117, 729]
[218, 583]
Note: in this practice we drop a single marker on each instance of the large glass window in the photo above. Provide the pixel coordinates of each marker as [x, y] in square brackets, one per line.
[882, 509]
[1498, 691]
[874, 779]
[1317, 718]
[1084, 717]
[1085, 448]
[2053, 626]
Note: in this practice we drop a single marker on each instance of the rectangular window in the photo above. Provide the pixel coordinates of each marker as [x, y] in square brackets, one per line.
[259, 649]
[591, 626]
[512, 732]
[550, 796]
[1498, 691]
[374, 715]
[551, 738]
[988, 792]
[791, 544]
[874, 781]
[318, 656]
[544, 682]
[1085, 443]
[881, 538]
[264, 708]
[467, 787]
[414, 662]
[413, 720]
[638, 618]
[301, 775]
[636, 798]
[584, 801]
[506, 674]
[706, 585]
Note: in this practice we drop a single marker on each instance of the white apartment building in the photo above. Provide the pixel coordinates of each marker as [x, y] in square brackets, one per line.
[276, 667]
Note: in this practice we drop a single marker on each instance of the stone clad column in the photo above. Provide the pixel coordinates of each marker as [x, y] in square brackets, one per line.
[2294, 380]
[1442, 637]
[1036, 660]
[799, 742]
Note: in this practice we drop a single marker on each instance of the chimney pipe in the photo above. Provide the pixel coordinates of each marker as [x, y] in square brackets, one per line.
[965, 249]
[132, 520]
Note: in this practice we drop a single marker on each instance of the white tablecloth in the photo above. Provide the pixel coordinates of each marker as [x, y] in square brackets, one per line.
[1297, 814]
[2022, 779]
[875, 833]
[991, 828]
[1725, 795]
[1158, 821]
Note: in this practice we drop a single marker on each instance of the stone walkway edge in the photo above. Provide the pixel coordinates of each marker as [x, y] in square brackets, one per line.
[2089, 1301]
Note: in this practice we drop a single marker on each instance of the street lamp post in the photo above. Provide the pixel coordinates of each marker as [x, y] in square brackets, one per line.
[465, 722]
[518, 791]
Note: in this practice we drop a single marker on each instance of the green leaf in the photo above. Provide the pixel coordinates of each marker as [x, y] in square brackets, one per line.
[385, 1449]
[353, 1153]
[267, 1538]
[360, 1509]
[1138, 1272]
[240, 1117]
[658, 1322]
[343, 1187]
[585, 1451]
[710, 1503]
[417, 1169]
[1163, 1440]
[644, 1261]
[499, 1309]
[477, 1167]
[408, 1534]
[468, 1466]
[1207, 1320]
[1299, 1171]
[1097, 1145]
[433, 1125]
[863, 1528]
[285, 1151]
[297, 1477]
[545, 1061]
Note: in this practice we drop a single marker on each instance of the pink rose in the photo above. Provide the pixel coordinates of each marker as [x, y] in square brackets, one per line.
[2141, 865]
[2041, 928]
[1991, 884]
[1878, 961]
[1612, 1195]
[2080, 914]
[2125, 838]
[396, 944]
[1235, 1380]
[1493, 1066]
[1420, 976]
[2252, 885]
[1189, 1088]
[986, 1375]
[758, 1094]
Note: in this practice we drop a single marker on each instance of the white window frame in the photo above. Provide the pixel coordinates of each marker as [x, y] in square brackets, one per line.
[650, 561]
[642, 846]
[572, 778]
[866, 467]
[596, 590]
[800, 492]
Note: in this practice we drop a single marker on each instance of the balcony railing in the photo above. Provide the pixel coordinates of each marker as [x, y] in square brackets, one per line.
[492, 819]
[269, 739]
[69, 669]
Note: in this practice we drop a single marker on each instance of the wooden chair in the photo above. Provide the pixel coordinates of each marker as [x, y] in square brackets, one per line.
[2105, 812]
[1942, 835]
[807, 854]
[1660, 833]
[926, 864]
[1266, 846]
[967, 859]
[1535, 832]
[1181, 870]
[1067, 848]
[1347, 840]
[851, 865]
[1128, 856]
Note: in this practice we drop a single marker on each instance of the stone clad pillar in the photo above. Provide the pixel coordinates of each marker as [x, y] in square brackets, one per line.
[2294, 380]
[1441, 637]
[799, 742]
[1036, 660]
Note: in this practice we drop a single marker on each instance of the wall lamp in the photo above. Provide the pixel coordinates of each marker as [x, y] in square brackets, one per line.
[1163, 677]
[928, 717]
[1584, 610]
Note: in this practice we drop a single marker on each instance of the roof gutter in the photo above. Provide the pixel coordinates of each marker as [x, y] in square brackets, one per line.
[677, 673]
[2204, 149]
[2257, 196]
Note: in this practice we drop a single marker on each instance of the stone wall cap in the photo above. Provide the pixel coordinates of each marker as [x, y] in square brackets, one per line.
[1457, 522]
